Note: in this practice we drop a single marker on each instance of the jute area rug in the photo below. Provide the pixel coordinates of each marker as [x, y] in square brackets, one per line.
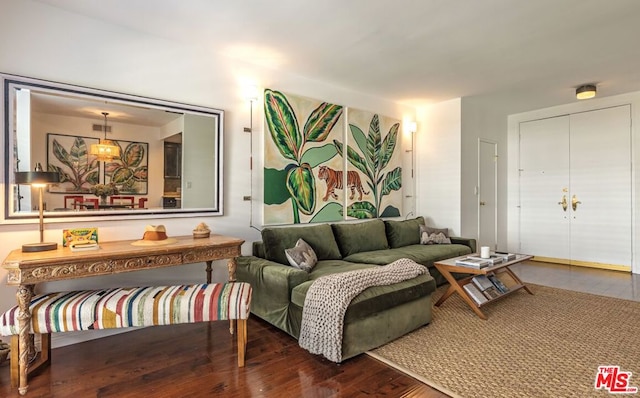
[549, 344]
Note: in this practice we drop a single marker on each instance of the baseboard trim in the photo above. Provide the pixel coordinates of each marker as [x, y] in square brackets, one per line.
[611, 267]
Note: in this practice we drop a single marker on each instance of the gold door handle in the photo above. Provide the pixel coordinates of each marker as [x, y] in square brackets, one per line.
[575, 202]
[564, 203]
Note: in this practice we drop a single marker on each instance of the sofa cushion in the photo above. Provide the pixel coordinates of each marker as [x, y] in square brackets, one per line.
[403, 233]
[319, 237]
[422, 254]
[360, 237]
[376, 298]
[433, 236]
[301, 256]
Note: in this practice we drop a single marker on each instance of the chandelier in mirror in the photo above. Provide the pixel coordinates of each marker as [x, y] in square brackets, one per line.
[106, 150]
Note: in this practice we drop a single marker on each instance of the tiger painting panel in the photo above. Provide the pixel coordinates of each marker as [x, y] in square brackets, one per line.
[378, 165]
[298, 142]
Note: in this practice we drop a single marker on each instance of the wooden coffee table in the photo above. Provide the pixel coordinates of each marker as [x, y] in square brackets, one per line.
[448, 267]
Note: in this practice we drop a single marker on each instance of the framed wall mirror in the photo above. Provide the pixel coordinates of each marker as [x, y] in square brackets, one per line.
[168, 156]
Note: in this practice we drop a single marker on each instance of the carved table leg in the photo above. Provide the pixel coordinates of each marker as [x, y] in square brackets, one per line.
[209, 269]
[231, 265]
[24, 295]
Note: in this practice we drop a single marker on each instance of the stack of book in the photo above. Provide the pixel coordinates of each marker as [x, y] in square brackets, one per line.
[506, 256]
[493, 259]
[483, 288]
[473, 262]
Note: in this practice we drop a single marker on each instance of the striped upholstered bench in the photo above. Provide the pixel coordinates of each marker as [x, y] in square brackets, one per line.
[132, 307]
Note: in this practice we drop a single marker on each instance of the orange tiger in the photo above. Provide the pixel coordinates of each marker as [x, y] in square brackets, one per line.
[333, 179]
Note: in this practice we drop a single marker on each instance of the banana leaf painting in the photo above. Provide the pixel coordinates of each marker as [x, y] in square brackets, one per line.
[299, 142]
[130, 171]
[69, 156]
[376, 156]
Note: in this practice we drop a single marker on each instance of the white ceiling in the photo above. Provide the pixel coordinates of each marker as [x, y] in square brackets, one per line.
[411, 51]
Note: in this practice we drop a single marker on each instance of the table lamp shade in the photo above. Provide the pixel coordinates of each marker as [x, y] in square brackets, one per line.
[36, 177]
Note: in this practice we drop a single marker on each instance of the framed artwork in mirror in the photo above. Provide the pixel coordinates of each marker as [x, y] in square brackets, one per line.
[129, 172]
[69, 156]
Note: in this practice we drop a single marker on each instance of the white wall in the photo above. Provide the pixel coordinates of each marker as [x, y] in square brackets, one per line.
[438, 165]
[45, 42]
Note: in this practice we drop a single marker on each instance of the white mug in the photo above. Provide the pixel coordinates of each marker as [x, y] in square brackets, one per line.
[485, 252]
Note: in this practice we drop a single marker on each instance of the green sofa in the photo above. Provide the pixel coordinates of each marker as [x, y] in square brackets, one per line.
[377, 315]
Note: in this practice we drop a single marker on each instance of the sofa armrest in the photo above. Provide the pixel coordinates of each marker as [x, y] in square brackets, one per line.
[471, 242]
[272, 284]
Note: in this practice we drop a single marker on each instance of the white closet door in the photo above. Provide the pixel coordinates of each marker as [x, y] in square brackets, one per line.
[487, 195]
[601, 180]
[544, 181]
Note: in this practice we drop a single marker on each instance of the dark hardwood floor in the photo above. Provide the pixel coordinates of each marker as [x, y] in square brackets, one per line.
[199, 360]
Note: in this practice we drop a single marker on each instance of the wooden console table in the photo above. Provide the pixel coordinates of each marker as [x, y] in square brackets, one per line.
[28, 269]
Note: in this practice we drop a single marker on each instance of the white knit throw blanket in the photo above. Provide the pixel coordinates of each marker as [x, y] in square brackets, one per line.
[329, 296]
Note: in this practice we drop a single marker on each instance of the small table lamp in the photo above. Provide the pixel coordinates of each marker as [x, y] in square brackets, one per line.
[38, 179]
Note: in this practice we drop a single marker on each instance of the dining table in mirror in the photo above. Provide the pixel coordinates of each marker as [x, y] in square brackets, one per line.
[115, 154]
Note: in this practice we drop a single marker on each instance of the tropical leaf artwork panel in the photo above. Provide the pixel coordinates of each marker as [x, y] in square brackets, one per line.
[69, 156]
[298, 141]
[130, 172]
[374, 165]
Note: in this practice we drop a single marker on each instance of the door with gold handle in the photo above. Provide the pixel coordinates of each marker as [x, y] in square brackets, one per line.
[564, 203]
[575, 202]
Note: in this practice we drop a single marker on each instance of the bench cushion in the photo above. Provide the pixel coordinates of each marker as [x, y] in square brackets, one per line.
[132, 307]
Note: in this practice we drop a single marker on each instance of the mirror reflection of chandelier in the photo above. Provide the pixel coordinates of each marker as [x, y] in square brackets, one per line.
[106, 150]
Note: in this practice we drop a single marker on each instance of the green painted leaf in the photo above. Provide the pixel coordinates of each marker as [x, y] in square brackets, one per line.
[275, 187]
[321, 122]
[282, 124]
[93, 178]
[392, 181]
[121, 175]
[390, 211]
[372, 154]
[359, 137]
[354, 158]
[78, 153]
[302, 187]
[319, 155]
[61, 154]
[361, 210]
[389, 146]
[141, 174]
[132, 155]
[330, 212]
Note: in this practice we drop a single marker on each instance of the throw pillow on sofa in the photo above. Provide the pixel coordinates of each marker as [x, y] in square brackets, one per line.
[302, 256]
[319, 237]
[403, 233]
[434, 236]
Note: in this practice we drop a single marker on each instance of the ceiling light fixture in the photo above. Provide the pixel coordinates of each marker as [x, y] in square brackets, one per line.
[106, 150]
[586, 91]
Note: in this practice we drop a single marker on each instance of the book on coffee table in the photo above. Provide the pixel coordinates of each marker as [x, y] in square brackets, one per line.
[493, 259]
[475, 294]
[502, 288]
[482, 282]
[473, 262]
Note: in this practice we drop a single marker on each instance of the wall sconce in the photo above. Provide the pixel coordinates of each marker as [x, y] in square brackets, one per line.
[586, 91]
[38, 179]
[412, 127]
[251, 95]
